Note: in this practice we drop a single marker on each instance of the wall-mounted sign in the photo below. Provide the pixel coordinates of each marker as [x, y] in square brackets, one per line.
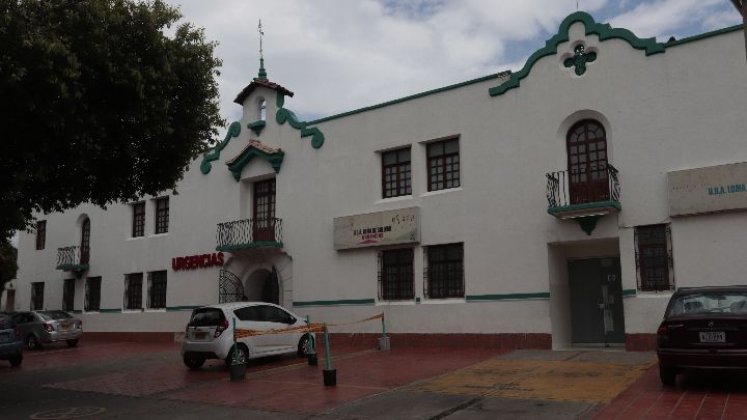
[708, 190]
[194, 262]
[376, 229]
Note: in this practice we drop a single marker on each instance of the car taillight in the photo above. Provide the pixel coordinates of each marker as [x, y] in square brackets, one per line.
[49, 327]
[79, 325]
[221, 327]
[662, 330]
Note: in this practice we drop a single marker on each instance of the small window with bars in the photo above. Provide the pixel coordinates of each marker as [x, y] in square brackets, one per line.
[133, 298]
[443, 274]
[41, 234]
[138, 219]
[157, 290]
[162, 215]
[396, 279]
[654, 258]
[396, 173]
[37, 296]
[93, 294]
[68, 295]
[443, 164]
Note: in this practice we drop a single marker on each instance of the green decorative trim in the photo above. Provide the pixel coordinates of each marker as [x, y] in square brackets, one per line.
[274, 159]
[233, 131]
[509, 296]
[258, 244]
[603, 31]
[257, 126]
[579, 60]
[110, 311]
[585, 206]
[629, 292]
[182, 308]
[588, 223]
[705, 35]
[73, 267]
[346, 302]
[285, 115]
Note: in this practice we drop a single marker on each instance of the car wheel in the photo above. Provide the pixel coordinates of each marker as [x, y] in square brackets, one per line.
[304, 346]
[194, 362]
[15, 361]
[72, 343]
[667, 375]
[32, 343]
[243, 357]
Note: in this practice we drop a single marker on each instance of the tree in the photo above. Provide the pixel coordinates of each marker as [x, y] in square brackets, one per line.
[8, 267]
[98, 104]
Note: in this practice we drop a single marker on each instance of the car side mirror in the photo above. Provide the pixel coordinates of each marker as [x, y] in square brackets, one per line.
[290, 320]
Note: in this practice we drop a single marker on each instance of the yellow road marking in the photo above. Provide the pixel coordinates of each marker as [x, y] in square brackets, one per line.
[532, 379]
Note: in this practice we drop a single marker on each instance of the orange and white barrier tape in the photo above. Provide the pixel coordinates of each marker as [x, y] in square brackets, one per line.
[315, 327]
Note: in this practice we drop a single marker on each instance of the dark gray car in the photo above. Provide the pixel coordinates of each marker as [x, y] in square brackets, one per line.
[41, 327]
[11, 344]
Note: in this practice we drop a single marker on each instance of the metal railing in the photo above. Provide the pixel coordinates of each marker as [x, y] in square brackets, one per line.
[567, 189]
[250, 233]
[72, 258]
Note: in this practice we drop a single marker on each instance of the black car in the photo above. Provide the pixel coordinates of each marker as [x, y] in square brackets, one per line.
[11, 343]
[703, 328]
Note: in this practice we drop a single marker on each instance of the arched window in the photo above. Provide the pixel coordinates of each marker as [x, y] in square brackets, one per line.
[85, 240]
[586, 143]
[262, 109]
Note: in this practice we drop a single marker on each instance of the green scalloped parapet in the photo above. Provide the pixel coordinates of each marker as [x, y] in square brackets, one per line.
[285, 115]
[257, 126]
[233, 131]
[602, 30]
[274, 159]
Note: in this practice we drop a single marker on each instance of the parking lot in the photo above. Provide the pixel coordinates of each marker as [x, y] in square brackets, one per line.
[148, 380]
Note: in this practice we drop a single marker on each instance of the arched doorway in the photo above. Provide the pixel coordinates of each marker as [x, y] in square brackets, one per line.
[263, 285]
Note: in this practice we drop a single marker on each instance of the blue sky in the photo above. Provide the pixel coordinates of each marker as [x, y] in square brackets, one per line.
[340, 55]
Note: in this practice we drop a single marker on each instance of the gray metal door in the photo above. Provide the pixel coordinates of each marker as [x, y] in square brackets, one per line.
[596, 301]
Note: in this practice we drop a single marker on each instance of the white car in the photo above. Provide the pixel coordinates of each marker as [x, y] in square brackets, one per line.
[210, 333]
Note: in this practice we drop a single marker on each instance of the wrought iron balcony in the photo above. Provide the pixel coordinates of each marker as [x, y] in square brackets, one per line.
[73, 258]
[250, 233]
[584, 196]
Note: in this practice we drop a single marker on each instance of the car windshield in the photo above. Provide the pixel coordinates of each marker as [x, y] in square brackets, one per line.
[709, 302]
[205, 317]
[52, 315]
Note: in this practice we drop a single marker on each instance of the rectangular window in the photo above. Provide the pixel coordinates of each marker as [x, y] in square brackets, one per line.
[396, 172]
[654, 258]
[162, 215]
[443, 164]
[133, 298]
[93, 294]
[138, 219]
[444, 271]
[37, 296]
[68, 295]
[41, 234]
[157, 290]
[396, 279]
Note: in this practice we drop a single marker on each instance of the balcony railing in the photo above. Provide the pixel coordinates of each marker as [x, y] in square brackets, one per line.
[250, 233]
[583, 196]
[73, 258]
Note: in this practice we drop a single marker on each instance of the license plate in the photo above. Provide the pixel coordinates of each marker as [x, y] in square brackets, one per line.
[66, 327]
[200, 335]
[713, 337]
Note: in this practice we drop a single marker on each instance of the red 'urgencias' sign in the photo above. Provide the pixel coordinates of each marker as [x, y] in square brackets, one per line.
[194, 262]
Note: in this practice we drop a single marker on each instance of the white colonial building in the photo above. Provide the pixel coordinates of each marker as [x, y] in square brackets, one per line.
[556, 206]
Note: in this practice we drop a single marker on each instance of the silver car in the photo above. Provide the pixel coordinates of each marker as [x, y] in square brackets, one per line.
[41, 327]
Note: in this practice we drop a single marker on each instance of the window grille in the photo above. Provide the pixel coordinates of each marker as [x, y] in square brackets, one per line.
[138, 219]
[41, 234]
[157, 290]
[134, 291]
[443, 164]
[68, 295]
[37, 296]
[396, 278]
[443, 272]
[396, 173]
[162, 215]
[654, 264]
[93, 294]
